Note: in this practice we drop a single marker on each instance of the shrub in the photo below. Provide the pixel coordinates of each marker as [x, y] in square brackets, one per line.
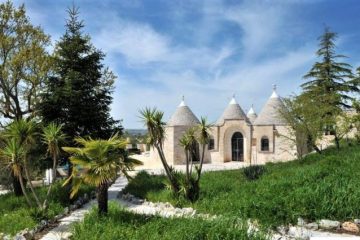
[254, 172]
[15, 214]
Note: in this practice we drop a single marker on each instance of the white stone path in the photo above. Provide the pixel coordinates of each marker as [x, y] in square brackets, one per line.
[63, 230]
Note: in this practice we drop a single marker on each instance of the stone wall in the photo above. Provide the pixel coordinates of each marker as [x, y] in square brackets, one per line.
[280, 147]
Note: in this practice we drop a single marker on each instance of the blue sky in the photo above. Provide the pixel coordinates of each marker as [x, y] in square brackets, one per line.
[206, 50]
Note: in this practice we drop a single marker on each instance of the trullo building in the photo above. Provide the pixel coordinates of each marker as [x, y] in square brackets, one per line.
[236, 136]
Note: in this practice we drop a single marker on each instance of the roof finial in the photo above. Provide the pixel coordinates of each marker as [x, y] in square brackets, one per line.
[233, 101]
[274, 94]
[182, 104]
[251, 110]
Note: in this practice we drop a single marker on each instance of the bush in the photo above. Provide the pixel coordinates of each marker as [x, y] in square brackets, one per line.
[15, 214]
[254, 172]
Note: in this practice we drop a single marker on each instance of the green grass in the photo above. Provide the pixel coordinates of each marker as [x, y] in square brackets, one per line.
[120, 224]
[320, 186]
[15, 214]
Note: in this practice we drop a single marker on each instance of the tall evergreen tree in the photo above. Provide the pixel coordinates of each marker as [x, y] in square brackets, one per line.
[79, 93]
[331, 82]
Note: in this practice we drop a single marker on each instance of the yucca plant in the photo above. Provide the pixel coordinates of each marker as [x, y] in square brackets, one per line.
[190, 141]
[96, 162]
[24, 132]
[152, 119]
[12, 155]
[53, 137]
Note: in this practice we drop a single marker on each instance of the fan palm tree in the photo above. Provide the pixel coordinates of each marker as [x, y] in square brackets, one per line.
[97, 163]
[24, 132]
[12, 154]
[152, 119]
[53, 136]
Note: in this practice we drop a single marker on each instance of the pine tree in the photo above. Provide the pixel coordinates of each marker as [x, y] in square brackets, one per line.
[330, 82]
[79, 93]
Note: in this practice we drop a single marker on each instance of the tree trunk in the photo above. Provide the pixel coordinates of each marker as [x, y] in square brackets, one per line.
[30, 183]
[337, 141]
[173, 182]
[102, 198]
[21, 180]
[316, 149]
[201, 162]
[52, 183]
[69, 185]
[16, 185]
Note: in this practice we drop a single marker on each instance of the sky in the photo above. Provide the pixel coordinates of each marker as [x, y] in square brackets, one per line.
[204, 50]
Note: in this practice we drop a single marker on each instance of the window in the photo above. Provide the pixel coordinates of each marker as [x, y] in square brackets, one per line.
[211, 144]
[264, 144]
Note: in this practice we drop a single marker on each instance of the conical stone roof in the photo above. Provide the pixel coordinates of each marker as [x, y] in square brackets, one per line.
[232, 112]
[183, 116]
[269, 115]
[251, 115]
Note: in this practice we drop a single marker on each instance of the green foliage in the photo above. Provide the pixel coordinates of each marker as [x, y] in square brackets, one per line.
[15, 215]
[120, 224]
[317, 187]
[330, 81]
[331, 85]
[78, 94]
[254, 172]
[99, 161]
[153, 121]
[25, 63]
[305, 121]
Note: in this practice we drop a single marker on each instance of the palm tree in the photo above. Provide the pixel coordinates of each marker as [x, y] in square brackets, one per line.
[12, 154]
[190, 141]
[203, 138]
[24, 132]
[53, 136]
[97, 163]
[152, 119]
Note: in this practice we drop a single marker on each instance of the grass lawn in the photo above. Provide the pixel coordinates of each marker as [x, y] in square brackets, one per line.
[15, 215]
[120, 224]
[320, 186]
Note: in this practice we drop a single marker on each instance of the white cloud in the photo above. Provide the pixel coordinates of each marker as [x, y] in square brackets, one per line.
[139, 43]
[202, 73]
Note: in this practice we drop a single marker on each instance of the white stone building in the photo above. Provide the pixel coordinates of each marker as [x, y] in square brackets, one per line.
[236, 136]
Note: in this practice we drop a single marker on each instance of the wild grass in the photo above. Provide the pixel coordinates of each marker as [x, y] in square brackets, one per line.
[317, 187]
[121, 224]
[15, 214]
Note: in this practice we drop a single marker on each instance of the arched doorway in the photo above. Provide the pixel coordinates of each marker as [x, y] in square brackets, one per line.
[237, 147]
